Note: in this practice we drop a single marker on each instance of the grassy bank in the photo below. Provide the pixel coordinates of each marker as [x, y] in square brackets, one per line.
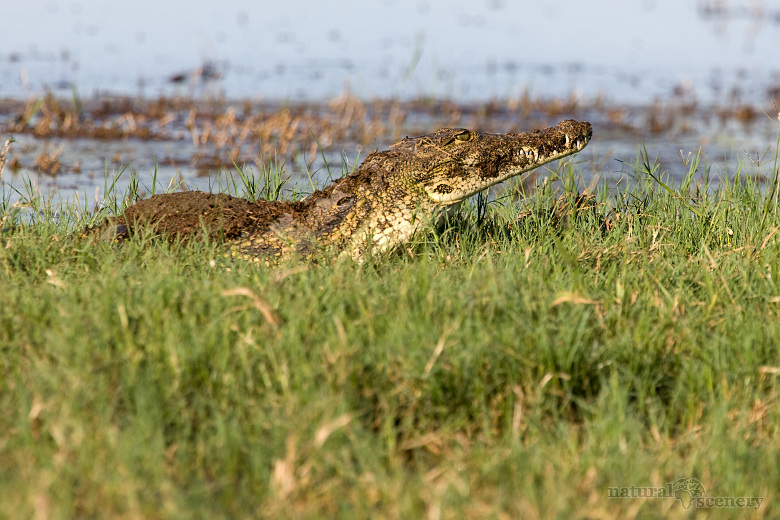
[516, 365]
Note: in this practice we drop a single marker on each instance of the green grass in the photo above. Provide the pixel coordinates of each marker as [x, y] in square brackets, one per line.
[503, 368]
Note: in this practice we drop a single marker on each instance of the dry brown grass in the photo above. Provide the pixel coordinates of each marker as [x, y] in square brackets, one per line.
[223, 131]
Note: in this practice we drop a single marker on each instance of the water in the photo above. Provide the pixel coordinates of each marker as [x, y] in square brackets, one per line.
[629, 51]
[616, 54]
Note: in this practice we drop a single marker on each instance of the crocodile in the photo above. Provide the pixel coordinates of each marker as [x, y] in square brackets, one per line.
[378, 207]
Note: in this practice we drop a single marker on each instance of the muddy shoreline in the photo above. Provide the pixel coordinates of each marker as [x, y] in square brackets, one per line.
[74, 144]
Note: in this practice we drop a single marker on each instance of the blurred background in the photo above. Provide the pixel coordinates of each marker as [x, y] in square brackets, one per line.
[185, 88]
[625, 50]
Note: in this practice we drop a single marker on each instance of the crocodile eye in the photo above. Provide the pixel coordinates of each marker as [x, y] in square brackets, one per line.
[344, 200]
[464, 136]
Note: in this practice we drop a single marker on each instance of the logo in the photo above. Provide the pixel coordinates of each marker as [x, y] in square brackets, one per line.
[689, 492]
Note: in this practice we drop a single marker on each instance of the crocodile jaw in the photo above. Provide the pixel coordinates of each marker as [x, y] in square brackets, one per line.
[448, 199]
[496, 158]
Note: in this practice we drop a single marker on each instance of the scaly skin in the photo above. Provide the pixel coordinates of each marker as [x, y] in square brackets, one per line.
[380, 206]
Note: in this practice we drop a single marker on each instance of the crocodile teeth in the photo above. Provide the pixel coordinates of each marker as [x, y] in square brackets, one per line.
[568, 141]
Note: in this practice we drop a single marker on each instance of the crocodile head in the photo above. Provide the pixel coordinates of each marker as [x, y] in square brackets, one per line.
[421, 179]
[453, 164]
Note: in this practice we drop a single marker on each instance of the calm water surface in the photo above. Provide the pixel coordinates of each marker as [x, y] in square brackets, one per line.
[627, 50]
